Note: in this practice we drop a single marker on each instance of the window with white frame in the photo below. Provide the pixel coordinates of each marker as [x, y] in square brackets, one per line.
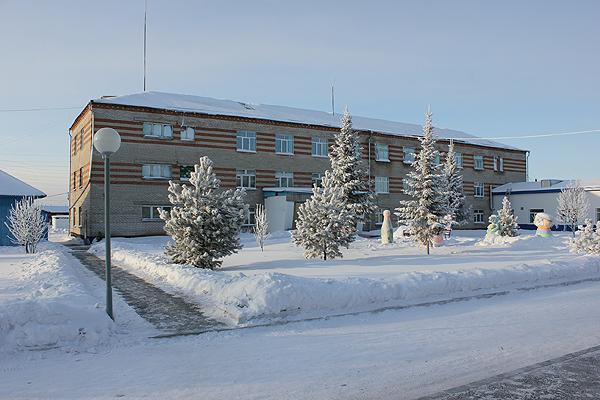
[284, 144]
[250, 218]
[246, 141]
[187, 133]
[478, 162]
[319, 146]
[317, 179]
[156, 171]
[81, 138]
[245, 178]
[185, 172]
[478, 189]
[382, 152]
[409, 155]
[458, 158]
[151, 213]
[284, 179]
[478, 216]
[153, 129]
[501, 164]
[382, 184]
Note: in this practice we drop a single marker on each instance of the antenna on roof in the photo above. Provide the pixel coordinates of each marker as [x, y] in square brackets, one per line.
[333, 98]
[145, 12]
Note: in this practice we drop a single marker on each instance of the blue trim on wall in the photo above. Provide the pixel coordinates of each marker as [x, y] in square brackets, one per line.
[512, 193]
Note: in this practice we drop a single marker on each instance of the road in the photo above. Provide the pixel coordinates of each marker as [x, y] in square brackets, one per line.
[399, 354]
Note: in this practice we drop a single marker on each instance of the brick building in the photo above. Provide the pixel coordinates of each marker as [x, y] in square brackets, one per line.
[276, 152]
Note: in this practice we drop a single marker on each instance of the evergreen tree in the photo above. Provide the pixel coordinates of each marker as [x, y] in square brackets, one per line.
[587, 241]
[322, 226]
[453, 186]
[506, 220]
[204, 221]
[424, 212]
[348, 172]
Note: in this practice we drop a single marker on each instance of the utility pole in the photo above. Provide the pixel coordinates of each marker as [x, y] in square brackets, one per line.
[145, 14]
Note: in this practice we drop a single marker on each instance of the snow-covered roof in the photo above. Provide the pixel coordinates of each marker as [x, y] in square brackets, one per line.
[545, 185]
[211, 106]
[11, 186]
[55, 209]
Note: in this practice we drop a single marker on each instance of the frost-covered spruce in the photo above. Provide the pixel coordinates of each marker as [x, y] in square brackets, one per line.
[573, 205]
[424, 212]
[507, 221]
[261, 226]
[26, 224]
[348, 172]
[453, 184]
[204, 221]
[586, 241]
[322, 226]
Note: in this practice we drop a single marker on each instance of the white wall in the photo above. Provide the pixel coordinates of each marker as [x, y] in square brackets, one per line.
[522, 203]
[60, 222]
[280, 213]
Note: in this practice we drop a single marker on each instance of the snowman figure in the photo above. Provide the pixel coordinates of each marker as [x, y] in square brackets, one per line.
[544, 224]
[387, 234]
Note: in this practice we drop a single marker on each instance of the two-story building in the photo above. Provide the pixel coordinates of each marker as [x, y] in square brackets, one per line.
[277, 153]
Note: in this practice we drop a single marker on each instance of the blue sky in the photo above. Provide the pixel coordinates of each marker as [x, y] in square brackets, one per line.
[492, 69]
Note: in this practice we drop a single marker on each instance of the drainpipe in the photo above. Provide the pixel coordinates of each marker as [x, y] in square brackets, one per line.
[71, 219]
[527, 166]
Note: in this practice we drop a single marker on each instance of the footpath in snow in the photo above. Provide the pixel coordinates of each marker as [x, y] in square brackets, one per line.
[49, 301]
[278, 284]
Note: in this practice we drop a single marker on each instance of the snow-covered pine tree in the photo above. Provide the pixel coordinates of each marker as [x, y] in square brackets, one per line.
[26, 224]
[453, 184]
[507, 221]
[349, 172]
[204, 221]
[586, 241]
[424, 213]
[261, 226]
[322, 226]
[573, 205]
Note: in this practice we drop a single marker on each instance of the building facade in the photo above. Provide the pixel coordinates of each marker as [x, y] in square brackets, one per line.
[276, 153]
[530, 198]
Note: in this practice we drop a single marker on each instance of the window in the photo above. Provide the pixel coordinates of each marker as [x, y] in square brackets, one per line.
[409, 155]
[284, 179]
[458, 157]
[185, 172]
[381, 152]
[478, 188]
[81, 134]
[317, 179]
[533, 212]
[478, 216]
[250, 218]
[245, 178]
[597, 216]
[187, 133]
[284, 144]
[382, 184]
[74, 180]
[495, 163]
[150, 213]
[158, 130]
[246, 141]
[79, 216]
[405, 185]
[75, 146]
[319, 147]
[501, 166]
[478, 162]
[80, 177]
[156, 171]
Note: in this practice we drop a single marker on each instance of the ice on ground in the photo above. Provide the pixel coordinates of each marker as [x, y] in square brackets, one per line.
[279, 284]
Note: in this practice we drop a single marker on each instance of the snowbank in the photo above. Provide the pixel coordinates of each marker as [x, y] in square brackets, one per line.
[238, 298]
[44, 305]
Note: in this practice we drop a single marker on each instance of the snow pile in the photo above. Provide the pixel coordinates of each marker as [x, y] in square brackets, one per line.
[238, 298]
[45, 306]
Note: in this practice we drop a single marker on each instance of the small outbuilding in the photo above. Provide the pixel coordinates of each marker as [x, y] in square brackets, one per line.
[11, 191]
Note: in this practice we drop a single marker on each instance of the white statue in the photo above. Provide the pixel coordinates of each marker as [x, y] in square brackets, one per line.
[387, 234]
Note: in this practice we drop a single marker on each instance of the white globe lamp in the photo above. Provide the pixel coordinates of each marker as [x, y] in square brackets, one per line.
[107, 141]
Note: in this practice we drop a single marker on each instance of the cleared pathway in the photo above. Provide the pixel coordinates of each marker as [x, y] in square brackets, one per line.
[171, 314]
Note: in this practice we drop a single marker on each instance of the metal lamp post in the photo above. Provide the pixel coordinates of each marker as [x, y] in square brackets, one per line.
[107, 141]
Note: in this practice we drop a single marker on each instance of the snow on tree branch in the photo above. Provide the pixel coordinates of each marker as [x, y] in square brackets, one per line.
[573, 205]
[26, 224]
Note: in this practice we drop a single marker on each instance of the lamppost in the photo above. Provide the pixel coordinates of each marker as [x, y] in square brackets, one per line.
[107, 141]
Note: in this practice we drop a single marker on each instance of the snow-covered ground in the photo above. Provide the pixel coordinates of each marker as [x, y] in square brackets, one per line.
[255, 286]
[398, 354]
[48, 301]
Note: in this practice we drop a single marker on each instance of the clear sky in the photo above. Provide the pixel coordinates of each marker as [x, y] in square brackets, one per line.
[506, 68]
